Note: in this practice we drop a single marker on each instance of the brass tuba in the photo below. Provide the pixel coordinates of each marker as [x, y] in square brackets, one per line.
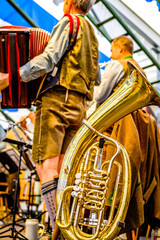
[82, 196]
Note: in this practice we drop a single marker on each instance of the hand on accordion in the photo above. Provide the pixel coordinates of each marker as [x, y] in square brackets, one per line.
[4, 80]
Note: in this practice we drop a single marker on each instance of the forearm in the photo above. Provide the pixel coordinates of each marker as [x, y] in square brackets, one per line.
[36, 68]
[4, 80]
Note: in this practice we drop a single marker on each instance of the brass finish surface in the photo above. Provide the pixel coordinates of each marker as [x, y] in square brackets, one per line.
[83, 210]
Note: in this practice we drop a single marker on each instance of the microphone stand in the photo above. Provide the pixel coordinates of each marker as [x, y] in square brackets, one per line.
[14, 232]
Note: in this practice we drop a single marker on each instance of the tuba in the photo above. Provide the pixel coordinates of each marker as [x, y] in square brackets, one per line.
[84, 210]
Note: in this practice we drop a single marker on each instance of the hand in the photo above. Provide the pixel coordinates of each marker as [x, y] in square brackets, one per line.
[23, 123]
[4, 80]
[31, 115]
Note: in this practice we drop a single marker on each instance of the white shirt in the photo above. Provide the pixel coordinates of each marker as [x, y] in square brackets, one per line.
[46, 61]
[113, 73]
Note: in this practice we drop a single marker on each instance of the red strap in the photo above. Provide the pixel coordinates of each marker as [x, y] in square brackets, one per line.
[73, 30]
[18, 66]
[13, 68]
[31, 44]
[9, 71]
[71, 25]
[78, 22]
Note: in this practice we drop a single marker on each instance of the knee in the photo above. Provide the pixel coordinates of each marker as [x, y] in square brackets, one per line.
[61, 157]
[48, 170]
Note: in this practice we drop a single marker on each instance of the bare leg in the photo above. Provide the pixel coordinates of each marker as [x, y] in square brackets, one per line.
[48, 170]
[61, 157]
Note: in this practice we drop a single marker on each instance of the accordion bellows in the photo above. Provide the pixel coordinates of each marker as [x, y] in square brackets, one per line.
[17, 46]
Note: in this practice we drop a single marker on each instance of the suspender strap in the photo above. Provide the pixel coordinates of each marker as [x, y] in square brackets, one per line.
[13, 66]
[73, 30]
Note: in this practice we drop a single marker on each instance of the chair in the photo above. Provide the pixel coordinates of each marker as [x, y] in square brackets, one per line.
[4, 192]
[28, 195]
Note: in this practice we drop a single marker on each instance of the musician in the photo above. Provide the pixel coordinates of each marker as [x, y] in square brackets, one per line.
[61, 108]
[116, 70]
[27, 124]
[136, 132]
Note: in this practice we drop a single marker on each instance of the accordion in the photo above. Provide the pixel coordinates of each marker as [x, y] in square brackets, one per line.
[18, 45]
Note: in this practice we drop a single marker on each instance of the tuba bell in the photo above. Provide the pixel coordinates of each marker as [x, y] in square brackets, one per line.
[90, 204]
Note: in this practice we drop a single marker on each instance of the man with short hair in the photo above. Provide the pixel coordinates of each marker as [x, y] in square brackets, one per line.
[116, 70]
[61, 104]
[136, 132]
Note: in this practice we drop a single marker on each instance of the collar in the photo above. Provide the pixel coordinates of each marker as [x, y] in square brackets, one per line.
[128, 57]
[80, 15]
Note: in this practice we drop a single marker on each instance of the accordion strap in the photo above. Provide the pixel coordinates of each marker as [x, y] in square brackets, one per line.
[73, 30]
[13, 66]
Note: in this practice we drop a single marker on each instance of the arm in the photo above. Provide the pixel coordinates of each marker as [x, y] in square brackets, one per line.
[46, 61]
[98, 78]
[4, 80]
[112, 75]
[53, 52]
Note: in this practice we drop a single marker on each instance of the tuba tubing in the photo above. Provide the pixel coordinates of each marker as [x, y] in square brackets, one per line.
[136, 92]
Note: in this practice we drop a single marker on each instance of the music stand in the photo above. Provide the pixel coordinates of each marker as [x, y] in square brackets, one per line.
[21, 149]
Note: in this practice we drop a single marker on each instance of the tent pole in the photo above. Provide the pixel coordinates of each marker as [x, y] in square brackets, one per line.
[22, 13]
